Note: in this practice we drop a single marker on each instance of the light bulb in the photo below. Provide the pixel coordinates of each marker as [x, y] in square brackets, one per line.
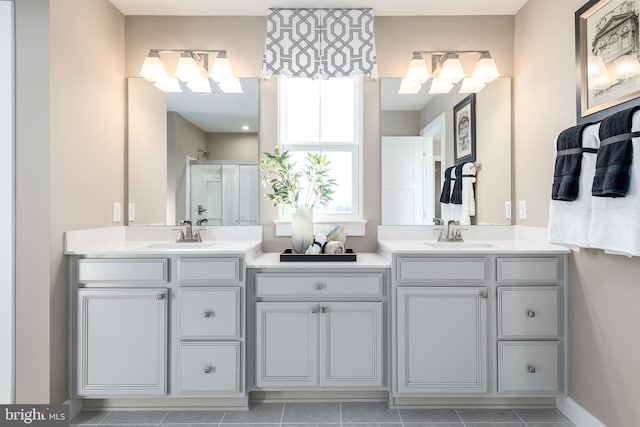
[485, 70]
[187, 69]
[439, 85]
[409, 87]
[417, 71]
[452, 71]
[221, 69]
[471, 85]
[169, 84]
[231, 86]
[153, 69]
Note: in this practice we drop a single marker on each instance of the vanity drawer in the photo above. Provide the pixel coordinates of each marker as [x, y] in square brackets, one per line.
[210, 312]
[441, 270]
[528, 311]
[122, 270]
[528, 367]
[210, 367]
[319, 285]
[209, 270]
[544, 270]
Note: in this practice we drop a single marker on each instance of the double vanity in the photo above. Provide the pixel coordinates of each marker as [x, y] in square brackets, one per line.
[156, 323]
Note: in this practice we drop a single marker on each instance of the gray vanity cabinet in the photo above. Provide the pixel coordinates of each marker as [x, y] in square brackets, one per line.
[121, 327]
[442, 339]
[319, 330]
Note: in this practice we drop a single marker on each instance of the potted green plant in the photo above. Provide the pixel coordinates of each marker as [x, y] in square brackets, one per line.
[301, 189]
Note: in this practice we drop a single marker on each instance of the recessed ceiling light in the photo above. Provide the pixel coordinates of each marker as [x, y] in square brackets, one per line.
[245, 127]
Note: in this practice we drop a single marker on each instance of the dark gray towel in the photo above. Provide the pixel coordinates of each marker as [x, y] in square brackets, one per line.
[566, 174]
[446, 186]
[456, 194]
[613, 165]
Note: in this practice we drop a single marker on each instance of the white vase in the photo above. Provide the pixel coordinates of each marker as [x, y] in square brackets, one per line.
[301, 229]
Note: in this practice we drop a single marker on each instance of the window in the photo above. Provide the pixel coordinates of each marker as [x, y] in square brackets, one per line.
[325, 116]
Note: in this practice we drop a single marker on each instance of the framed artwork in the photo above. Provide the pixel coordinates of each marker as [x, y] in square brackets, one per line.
[607, 54]
[464, 130]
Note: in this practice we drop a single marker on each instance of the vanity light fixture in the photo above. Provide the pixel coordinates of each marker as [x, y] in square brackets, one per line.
[192, 70]
[447, 68]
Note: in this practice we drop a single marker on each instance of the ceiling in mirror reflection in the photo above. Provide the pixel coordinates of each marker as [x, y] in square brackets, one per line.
[219, 112]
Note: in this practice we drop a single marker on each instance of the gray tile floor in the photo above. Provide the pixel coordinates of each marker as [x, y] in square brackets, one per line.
[346, 414]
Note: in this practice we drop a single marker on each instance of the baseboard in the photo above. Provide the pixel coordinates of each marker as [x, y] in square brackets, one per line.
[75, 406]
[577, 414]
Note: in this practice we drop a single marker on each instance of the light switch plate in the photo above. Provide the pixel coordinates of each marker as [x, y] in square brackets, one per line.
[131, 212]
[507, 209]
[116, 212]
[522, 209]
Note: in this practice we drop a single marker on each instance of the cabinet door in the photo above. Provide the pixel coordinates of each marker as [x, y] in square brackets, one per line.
[442, 334]
[286, 345]
[351, 344]
[122, 338]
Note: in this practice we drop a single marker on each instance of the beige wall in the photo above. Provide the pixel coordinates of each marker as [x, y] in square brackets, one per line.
[603, 289]
[233, 146]
[69, 168]
[146, 152]
[32, 168]
[183, 139]
[400, 123]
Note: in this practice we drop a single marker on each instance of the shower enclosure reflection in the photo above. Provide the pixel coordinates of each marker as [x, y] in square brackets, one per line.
[223, 193]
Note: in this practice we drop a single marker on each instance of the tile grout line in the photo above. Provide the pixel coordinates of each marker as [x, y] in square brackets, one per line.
[284, 407]
[340, 408]
[520, 418]
[460, 417]
[163, 418]
[400, 415]
[224, 415]
[104, 418]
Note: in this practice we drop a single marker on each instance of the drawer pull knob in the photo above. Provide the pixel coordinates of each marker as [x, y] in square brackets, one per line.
[320, 286]
[160, 296]
[209, 369]
[531, 313]
[209, 313]
[531, 369]
[324, 310]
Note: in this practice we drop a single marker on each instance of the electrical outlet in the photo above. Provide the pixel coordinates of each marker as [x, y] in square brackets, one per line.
[131, 212]
[507, 209]
[116, 212]
[522, 209]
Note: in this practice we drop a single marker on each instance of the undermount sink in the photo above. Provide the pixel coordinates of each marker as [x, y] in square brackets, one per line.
[188, 246]
[460, 245]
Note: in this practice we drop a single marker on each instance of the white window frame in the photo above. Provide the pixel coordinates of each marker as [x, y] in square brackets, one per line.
[354, 222]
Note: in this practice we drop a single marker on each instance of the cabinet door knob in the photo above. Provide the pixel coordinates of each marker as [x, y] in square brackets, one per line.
[160, 296]
[320, 286]
[531, 369]
[209, 313]
[531, 313]
[209, 369]
[314, 310]
[324, 310]
[484, 294]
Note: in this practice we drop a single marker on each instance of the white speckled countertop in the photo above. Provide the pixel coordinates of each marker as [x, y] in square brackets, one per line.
[469, 247]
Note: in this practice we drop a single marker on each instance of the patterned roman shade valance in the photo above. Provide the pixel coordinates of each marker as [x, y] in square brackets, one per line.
[319, 43]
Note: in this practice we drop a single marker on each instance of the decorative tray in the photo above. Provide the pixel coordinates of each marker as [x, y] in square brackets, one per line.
[289, 256]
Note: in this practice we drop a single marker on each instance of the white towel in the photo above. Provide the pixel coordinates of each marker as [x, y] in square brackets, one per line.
[615, 222]
[453, 211]
[468, 196]
[334, 247]
[569, 221]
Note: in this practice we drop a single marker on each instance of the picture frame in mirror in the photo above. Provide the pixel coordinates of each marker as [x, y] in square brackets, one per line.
[464, 130]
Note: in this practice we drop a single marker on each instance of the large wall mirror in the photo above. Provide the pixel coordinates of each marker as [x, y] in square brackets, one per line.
[192, 155]
[418, 145]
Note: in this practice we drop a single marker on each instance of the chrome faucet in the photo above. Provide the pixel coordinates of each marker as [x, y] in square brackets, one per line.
[187, 235]
[451, 234]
